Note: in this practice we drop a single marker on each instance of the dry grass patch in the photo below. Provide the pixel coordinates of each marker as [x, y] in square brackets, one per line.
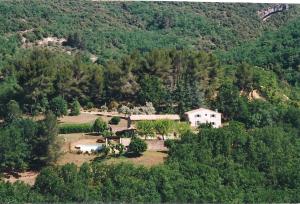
[82, 118]
[90, 118]
[77, 159]
[148, 159]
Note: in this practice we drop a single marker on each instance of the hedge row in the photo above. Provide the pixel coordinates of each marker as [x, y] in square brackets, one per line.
[75, 128]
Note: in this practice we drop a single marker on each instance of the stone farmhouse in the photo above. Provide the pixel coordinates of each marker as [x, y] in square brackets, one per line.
[203, 116]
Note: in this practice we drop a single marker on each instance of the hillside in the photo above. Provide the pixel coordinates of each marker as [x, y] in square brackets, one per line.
[72, 74]
[112, 29]
[278, 51]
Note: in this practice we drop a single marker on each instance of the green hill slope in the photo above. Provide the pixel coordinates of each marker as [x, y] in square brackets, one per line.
[278, 51]
[112, 29]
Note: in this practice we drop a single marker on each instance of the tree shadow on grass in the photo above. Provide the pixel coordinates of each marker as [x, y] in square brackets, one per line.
[132, 155]
[100, 158]
[163, 151]
[93, 134]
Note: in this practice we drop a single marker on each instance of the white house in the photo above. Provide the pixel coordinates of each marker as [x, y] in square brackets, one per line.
[202, 116]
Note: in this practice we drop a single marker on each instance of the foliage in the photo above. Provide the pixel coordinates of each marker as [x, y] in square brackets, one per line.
[13, 111]
[145, 128]
[147, 109]
[174, 81]
[229, 164]
[49, 144]
[15, 151]
[99, 126]
[8, 90]
[162, 127]
[143, 26]
[137, 146]
[89, 105]
[27, 144]
[276, 50]
[150, 53]
[18, 192]
[75, 40]
[115, 120]
[75, 108]
[59, 106]
[152, 89]
[75, 128]
[230, 103]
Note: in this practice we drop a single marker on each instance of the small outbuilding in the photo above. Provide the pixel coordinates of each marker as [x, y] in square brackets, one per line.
[203, 116]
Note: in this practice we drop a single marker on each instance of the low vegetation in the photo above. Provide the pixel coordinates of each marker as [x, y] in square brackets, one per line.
[99, 126]
[115, 120]
[161, 127]
[137, 146]
[75, 128]
[75, 108]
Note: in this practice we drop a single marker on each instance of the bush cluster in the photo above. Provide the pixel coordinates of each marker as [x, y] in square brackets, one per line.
[115, 120]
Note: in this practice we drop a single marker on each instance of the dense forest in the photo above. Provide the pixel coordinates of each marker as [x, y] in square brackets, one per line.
[178, 56]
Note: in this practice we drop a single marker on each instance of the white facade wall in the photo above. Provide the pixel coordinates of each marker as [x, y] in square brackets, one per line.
[202, 116]
[89, 147]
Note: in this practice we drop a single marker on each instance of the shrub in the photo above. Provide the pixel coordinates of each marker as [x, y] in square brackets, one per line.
[75, 128]
[59, 106]
[104, 108]
[89, 105]
[120, 148]
[13, 111]
[75, 108]
[99, 126]
[113, 105]
[124, 109]
[126, 134]
[106, 133]
[169, 143]
[137, 146]
[115, 120]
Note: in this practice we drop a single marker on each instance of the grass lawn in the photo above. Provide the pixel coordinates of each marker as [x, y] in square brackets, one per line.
[87, 118]
[148, 159]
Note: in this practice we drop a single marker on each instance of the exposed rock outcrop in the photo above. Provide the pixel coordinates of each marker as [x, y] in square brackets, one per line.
[255, 95]
[264, 14]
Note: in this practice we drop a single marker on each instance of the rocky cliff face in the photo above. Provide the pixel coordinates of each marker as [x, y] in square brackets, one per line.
[264, 14]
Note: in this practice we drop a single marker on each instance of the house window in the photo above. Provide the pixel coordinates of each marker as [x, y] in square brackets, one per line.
[197, 116]
[213, 123]
[197, 122]
[205, 114]
[212, 115]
